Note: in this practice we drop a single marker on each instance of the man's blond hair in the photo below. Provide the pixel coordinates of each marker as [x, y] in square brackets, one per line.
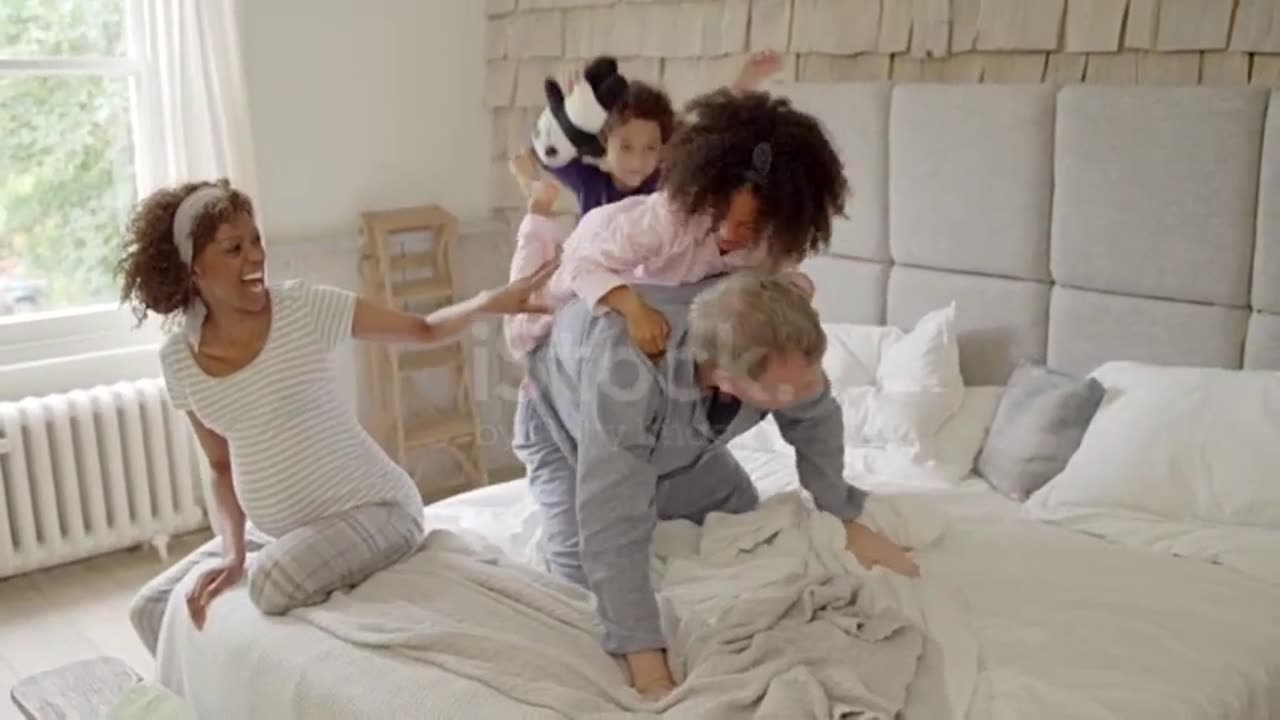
[742, 322]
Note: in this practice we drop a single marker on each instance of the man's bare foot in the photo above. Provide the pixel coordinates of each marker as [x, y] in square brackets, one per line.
[542, 198]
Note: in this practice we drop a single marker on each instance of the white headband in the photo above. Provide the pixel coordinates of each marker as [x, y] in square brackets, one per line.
[183, 221]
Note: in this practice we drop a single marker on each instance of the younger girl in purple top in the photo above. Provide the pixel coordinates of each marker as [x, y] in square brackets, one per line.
[634, 135]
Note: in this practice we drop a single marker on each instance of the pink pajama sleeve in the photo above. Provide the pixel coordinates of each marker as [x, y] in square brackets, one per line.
[607, 248]
[537, 241]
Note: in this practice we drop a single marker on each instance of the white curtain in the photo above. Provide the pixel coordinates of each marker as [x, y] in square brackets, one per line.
[190, 107]
[190, 110]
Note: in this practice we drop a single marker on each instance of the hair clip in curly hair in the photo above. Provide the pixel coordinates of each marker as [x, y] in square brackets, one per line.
[761, 161]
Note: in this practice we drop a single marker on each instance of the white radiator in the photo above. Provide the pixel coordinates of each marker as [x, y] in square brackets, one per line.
[92, 471]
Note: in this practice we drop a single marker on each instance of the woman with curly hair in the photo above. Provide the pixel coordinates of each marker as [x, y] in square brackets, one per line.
[747, 181]
[253, 369]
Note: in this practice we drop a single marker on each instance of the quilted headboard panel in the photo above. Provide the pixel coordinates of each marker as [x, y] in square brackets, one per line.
[1070, 225]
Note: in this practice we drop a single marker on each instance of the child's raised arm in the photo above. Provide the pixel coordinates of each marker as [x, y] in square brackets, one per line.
[524, 167]
[758, 67]
[537, 243]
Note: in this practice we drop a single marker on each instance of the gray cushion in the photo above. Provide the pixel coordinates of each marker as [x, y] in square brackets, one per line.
[846, 290]
[1262, 350]
[1087, 329]
[1156, 189]
[970, 178]
[1165, 242]
[857, 121]
[1038, 425]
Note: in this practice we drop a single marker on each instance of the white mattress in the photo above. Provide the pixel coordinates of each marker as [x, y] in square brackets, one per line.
[1068, 627]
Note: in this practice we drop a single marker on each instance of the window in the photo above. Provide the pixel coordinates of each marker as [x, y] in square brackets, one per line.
[67, 179]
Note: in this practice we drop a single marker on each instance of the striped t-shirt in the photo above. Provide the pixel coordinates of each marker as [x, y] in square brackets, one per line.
[298, 452]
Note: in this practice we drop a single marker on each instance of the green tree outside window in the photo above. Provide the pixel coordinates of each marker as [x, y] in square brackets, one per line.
[66, 156]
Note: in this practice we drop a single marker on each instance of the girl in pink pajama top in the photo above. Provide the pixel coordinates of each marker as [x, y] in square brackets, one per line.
[747, 182]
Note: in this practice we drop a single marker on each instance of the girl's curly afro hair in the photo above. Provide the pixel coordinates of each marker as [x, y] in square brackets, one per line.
[153, 277]
[717, 151]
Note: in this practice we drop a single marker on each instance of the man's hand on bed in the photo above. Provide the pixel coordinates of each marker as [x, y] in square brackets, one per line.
[650, 675]
[872, 549]
[210, 584]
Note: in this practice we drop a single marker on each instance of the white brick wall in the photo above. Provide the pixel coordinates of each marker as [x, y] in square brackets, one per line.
[690, 46]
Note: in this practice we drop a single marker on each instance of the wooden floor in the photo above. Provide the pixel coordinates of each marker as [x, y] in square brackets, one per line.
[56, 616]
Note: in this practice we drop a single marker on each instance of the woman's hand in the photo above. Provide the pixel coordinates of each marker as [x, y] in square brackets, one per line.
[516, 296]
[211, 584]
[872, 549]
[650, 675]
[376, 323]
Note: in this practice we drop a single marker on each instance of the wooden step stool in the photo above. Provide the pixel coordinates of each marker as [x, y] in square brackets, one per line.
[401, 273]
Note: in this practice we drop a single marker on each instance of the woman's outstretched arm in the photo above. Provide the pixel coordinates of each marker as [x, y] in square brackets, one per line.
[381, 324]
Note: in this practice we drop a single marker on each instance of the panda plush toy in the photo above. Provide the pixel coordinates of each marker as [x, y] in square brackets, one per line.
[570, 125]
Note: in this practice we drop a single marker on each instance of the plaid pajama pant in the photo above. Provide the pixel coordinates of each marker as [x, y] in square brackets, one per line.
[298, 569]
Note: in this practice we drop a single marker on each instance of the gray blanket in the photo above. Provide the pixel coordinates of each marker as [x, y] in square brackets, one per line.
[762, 619]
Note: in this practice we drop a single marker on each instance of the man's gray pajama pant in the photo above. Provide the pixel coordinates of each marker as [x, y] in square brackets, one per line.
[717, 483]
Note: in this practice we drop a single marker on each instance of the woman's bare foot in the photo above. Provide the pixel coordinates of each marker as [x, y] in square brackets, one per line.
[542, 198]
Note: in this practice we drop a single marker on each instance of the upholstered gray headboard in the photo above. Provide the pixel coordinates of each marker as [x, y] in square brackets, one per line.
[1071, 225]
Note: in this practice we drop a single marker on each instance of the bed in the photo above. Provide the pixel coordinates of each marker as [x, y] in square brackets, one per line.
[1075, 226]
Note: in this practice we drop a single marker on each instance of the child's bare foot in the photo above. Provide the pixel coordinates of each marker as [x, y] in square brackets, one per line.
[525, 170]
[542, 198]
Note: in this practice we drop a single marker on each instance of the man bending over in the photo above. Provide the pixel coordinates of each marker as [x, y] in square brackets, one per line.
[613, 442]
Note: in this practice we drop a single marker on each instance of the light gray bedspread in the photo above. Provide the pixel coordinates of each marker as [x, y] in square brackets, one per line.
[763, 617]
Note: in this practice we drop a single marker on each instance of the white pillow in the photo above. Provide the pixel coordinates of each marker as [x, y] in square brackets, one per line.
[951, 460]
[852, 358]
[927, 358]
[1178, 443]
[854, 351]
[951, 452]
[897, 392]
[958, 442]
[896, 389]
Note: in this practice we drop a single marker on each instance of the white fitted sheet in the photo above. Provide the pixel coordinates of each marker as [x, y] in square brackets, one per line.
[1068, 626]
